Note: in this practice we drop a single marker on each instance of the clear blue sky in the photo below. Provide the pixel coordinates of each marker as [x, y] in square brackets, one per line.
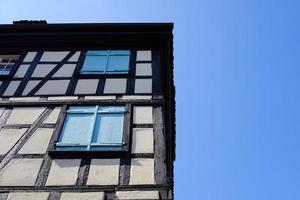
[237, 68]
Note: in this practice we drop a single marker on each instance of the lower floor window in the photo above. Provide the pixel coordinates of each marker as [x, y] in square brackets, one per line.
[92, 128]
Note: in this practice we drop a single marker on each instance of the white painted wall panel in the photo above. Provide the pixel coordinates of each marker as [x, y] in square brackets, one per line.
[42, 70]
[28, 196]
[115, 86]
[38, 142]
[29, 56]
[104, 172]
[24, 115]
[66, 70]
[143, 56]
[12, 87]
[52, 118]
[142, 115]
[143, 86]
[21, 71]
[20, 172]
[54, 87]
[142, 140]
[9, 137]
[1, 111]
[124, 195]
[54, 56]
[86, 86]
[142, 171]
[143, 69]
[75, 57]
[82, 196]
[63, 172]
[30, 85]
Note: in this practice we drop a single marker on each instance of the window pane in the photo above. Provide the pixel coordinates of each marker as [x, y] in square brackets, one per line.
[77, 129]
[118, 64]
[94, 64]
[108, 129]
[5, 71]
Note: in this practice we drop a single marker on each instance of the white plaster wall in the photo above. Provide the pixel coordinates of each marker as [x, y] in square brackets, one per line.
[143, 56]
[63, 172]
[104, 172]
[9, 137]
[38, 142]
[143, 86]
[54, 56]
[24, 115]
[143, 69]
[66, 70]
[52, 118]
[54, 87]
[142, 171]
[29, 56]
[142, 115]
[124, 195]
[82, 196]
[75, 57]
[116, 85]
[11, 89]
[28, 196]
[20, 172]
[142, 140]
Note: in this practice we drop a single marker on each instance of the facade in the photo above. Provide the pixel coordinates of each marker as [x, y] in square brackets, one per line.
[87, 111]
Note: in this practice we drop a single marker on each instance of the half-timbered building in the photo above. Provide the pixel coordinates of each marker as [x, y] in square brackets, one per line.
[87, 111]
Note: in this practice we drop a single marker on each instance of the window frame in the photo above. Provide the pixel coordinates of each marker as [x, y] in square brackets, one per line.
[14, 66]
[55, 153]
[82, 57]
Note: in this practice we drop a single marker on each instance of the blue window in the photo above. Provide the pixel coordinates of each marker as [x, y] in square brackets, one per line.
[106, 62]
[98, 128]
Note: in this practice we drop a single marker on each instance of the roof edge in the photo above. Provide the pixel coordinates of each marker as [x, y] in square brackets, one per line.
[91, 27]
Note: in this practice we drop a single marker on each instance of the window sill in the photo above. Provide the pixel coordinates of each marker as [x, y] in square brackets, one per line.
[59, 154]
[121, 75]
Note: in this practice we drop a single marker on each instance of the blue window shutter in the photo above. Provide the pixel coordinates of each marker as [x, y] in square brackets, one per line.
[82, 109]
[110, 61]
[77, 129]
[94, 62]
[111, 109]
[92, 128]
[120, 52]
[108, 129]
[118, 64]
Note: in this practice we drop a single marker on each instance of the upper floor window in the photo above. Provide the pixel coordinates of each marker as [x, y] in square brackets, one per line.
[6, 64]
[106, 62]
[92, 128]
